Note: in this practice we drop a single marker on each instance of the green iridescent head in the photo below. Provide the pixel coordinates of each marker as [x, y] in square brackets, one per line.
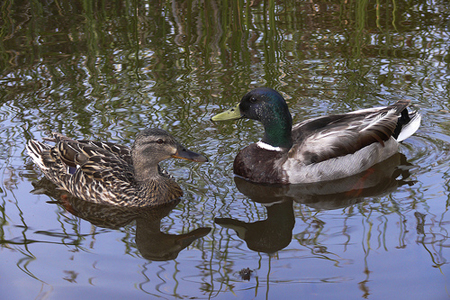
[269, 107]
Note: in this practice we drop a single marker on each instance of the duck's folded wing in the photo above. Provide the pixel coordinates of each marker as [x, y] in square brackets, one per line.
[122, 151]
[94, 162]
[333, 136]
[108, 169]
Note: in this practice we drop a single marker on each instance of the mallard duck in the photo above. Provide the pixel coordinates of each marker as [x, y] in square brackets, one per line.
[320, 149]
[110, 173]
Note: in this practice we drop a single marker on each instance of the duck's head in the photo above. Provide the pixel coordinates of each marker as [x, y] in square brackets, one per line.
[269, 107]
[156, 145]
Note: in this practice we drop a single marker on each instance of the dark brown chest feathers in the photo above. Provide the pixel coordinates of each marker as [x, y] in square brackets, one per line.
[259, 165]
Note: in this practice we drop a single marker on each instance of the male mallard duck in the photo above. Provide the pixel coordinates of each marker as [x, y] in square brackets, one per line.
[320, 149]
[110, 173]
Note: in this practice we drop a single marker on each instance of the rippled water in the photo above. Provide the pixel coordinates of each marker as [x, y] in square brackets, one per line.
[105, 71]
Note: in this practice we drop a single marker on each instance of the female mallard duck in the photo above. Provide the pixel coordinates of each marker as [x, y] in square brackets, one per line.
[319, 149]
[110, 173]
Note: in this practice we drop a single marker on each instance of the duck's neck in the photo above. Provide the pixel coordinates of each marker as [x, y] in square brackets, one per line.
[145, 170]
[278, 131]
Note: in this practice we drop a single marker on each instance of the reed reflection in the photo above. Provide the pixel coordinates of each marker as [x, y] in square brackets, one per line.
[275, 233]
[152, 243]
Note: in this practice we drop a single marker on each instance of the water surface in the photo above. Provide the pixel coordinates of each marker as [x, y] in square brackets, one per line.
[104, 71]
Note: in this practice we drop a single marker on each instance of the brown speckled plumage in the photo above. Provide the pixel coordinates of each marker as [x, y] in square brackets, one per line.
[113, 174]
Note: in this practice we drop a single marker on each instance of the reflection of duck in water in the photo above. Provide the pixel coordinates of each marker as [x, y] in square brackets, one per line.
[150, 241]
[275, 233]
[110, 173]
[320, 149]
[156, 245]
[270, 235]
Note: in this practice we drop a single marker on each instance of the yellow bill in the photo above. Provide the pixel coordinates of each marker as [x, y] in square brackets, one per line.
[231, 114]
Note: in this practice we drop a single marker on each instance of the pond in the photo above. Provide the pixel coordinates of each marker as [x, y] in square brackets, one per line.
[107, 70]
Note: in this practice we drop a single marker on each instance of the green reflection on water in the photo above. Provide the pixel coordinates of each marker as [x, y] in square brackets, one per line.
[107, 69]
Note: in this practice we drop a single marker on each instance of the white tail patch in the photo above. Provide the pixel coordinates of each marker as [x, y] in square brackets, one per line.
[409, 129]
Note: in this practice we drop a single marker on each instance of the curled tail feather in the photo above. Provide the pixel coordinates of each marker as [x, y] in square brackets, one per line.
[407, 125]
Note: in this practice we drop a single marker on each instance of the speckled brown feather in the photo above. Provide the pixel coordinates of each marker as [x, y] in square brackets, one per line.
[100, 172]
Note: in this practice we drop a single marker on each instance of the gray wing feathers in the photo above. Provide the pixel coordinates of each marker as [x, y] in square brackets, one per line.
[332, 136]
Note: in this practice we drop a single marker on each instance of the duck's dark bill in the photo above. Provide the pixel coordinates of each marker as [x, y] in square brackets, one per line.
[183, 153]
[231, 114]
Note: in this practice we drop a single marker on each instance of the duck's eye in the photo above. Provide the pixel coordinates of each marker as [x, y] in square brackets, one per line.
[160, 141]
